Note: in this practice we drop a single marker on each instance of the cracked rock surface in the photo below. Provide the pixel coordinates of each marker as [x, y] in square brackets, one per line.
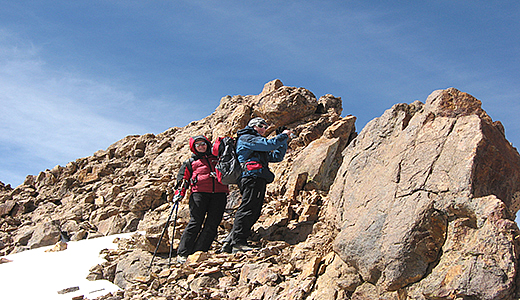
[421, 189]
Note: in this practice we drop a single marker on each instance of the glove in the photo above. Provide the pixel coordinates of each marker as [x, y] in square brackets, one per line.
[280, 129]
[179, 194]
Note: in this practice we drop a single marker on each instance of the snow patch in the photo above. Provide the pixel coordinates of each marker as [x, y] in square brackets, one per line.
[36, 274]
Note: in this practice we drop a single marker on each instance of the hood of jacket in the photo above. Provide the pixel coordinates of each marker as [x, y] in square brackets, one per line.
[200, 138]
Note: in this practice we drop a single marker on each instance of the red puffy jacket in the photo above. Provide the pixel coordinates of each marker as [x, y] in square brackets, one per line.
[203, 165]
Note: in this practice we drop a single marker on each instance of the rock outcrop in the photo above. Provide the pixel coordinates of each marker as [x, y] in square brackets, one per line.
[426, 197]
[419, 205]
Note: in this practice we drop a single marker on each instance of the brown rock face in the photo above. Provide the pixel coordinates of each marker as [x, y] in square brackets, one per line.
[286, 105]
[419, 205]
[420, 190]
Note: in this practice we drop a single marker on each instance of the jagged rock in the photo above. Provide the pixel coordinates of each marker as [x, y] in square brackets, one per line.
[44, 212]
[5, 240]
[99, 215]
[4, 188]
[132, 268]
[44, 234]
[202, 283]
[310, 268]
[343, 128]
[368, 291]
[89, 175]
[309, 213]
[241, 292]
[4, 260]
[283, 105]
[68, 290]
[113, 225]
[7, 207]
[337, 281]
[329, 104]
[23, 235]
[318, 163]
[197, 257]
[95, 273]
[270, 87]
[250, 273]
[150, 241]
[405, 185]
[145, 199]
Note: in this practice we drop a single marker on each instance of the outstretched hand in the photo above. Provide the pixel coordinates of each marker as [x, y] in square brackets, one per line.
[290, 133]
[283, 129]
[280, 129]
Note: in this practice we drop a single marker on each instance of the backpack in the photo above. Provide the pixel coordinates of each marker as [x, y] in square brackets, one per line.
[228, 169]
[180, 174]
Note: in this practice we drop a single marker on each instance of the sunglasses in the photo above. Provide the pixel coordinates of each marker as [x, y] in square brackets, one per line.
[200, 144]
[262, 126]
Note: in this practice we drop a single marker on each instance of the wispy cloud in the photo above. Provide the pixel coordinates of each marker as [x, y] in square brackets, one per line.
[51, 115]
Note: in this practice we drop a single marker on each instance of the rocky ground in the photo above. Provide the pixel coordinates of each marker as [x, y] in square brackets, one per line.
[276, 269]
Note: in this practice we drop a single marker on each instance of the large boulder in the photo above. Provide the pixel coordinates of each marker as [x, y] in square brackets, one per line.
[44, 234]
[282, 105]
[412, 181]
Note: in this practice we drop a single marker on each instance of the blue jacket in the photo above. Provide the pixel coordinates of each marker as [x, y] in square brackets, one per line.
[255, 152]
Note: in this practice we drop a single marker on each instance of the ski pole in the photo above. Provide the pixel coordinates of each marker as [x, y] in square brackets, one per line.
[173, 234]
[184, 186]
[175, 205]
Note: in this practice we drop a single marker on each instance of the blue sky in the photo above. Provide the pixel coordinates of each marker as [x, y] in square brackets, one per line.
[76, 76]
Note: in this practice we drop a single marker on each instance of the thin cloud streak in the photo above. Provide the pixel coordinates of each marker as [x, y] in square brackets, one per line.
[50, 117]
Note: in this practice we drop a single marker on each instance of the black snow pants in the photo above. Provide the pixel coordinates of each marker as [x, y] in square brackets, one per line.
[253, 194]
[206, 211]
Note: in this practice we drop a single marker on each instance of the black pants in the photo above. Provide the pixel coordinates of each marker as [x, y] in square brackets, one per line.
[206, 211]
[253, 194]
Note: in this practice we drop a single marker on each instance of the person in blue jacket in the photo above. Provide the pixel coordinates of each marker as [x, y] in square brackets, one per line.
[254, 152]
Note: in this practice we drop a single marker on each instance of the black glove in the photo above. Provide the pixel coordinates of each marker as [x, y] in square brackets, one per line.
[280, 129]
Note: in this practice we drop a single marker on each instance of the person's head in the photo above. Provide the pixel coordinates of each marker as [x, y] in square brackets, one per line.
[200, 144]
[258, 124]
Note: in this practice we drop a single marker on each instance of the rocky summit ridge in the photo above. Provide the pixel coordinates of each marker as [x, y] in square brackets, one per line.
[419, 205]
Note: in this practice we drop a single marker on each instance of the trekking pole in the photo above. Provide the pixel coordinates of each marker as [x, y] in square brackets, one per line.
[173, 234]
[185, 185]
[176, 199]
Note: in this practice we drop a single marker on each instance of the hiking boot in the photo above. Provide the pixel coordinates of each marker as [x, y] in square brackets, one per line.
[181, 259]
[226, 248]
[241, 248]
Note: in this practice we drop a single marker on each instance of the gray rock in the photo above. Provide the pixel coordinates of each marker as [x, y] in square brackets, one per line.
[135, 264]
[44, 234]
[401, 179]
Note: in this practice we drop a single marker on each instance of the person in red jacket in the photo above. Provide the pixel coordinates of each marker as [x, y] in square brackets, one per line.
[207, 200]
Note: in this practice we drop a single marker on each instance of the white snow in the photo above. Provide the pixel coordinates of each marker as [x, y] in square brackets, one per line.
[36, 274]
